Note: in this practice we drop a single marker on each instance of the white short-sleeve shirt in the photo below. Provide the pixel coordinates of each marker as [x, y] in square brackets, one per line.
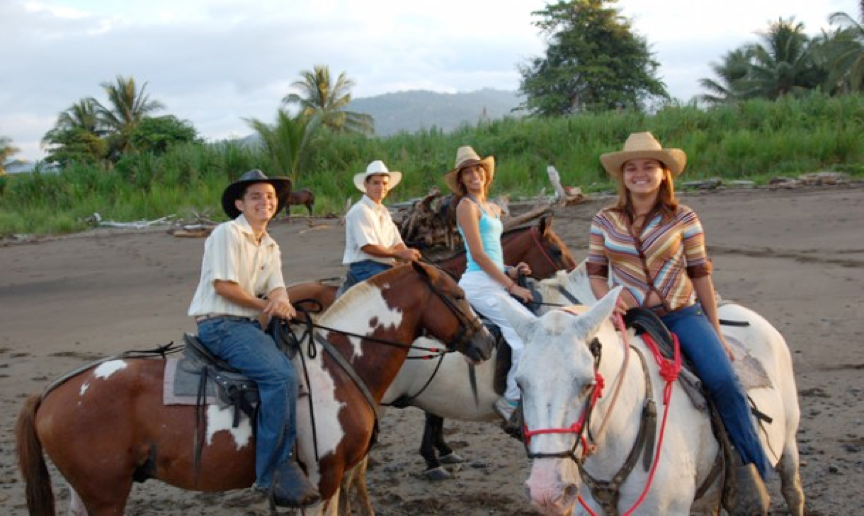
[368, 223]
[231, 253]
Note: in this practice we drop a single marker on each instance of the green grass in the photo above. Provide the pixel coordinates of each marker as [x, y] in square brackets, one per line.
[756, 140]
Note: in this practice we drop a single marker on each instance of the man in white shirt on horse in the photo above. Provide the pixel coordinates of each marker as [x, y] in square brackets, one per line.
[372, 240]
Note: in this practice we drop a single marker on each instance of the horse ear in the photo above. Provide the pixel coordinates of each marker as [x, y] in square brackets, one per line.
[522, 321]
[578, 284]
[589, 323]
[545, 223]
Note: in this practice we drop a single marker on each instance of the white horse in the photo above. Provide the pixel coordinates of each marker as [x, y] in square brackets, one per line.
[558, 373]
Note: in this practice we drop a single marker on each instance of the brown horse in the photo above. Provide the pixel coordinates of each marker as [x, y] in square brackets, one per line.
[301, 196]
[106, 426]
[537, 245]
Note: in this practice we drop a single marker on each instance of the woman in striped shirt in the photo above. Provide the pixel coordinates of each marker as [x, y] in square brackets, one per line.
[655, 248]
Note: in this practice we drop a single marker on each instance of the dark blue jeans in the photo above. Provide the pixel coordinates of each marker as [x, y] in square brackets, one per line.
[363, 270]
[248, 349]
[701, 345]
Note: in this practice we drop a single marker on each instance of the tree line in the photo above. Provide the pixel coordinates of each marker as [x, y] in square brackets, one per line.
[594, 61]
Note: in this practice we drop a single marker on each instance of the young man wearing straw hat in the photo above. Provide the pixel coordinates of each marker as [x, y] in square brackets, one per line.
[372, 240]
[241, 280]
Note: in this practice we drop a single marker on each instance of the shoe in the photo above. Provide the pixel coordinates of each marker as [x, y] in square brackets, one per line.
[291, 488]
[505, 407]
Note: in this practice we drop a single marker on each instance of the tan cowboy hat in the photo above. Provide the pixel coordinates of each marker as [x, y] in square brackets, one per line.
[465, 157]
[643, 145]
[376, 167]
[236, 189]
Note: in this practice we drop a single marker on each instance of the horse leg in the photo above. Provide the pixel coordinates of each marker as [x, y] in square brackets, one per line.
[309, 207]
[433, 428]
[790, 478]
[76, 504]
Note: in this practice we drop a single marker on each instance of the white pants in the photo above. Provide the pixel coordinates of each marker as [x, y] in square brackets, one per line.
[485, 296]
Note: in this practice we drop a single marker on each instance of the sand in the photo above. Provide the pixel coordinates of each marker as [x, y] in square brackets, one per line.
[796, 256]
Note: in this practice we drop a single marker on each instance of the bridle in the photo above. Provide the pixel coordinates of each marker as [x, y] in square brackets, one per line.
[535, 234]
[577, 428]
[468, 326]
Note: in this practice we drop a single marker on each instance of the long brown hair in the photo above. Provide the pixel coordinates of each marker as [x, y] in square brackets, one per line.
[667, 203]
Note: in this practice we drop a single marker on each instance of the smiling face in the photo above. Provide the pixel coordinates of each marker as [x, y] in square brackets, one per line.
[377, 187]
[473, 178]
[259, 203]
[643, 176]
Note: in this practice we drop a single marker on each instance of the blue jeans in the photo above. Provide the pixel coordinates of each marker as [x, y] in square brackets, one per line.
[701, 345]
[248, 349]
[363, 270]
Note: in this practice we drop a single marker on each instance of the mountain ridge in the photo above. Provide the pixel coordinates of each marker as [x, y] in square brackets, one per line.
[413, 110]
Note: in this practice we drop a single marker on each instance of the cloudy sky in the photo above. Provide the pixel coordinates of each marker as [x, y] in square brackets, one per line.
[216, 62]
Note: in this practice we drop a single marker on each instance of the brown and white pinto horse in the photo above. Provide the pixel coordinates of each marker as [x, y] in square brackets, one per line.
[106, 426]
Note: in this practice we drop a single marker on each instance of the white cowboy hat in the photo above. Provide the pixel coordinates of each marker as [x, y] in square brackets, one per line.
[643, 145]
[465, 157]
[376, 167]
[236, 189]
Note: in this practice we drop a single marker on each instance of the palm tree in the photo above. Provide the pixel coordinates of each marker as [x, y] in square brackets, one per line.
[7, 150]
[732, 73]
[77, 134]
[320, 98]
[783, 64]
[286, 141]
[844, 54]
[127, 106]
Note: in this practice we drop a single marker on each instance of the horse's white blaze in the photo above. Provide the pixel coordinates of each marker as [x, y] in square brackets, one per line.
[106, 369]
[83, 390]
[222, 419]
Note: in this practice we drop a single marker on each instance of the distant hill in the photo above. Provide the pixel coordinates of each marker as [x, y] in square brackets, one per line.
[421, 109]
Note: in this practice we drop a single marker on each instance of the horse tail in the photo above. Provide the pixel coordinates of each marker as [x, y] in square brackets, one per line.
[31, 461]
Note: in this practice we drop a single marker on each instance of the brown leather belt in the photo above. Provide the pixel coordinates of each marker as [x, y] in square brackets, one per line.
[201, 318]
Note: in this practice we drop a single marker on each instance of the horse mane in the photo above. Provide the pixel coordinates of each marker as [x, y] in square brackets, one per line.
[359, 291]
[575, 282]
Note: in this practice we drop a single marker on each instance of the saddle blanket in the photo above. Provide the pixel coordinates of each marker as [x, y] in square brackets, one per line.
[180, 387]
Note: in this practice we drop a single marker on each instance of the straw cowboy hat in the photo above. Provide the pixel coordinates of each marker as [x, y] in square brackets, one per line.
[376, 167]
[643, 145]
[236, 189]
[465, 157]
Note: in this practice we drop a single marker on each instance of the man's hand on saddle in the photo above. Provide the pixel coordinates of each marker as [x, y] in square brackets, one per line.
[408, 255]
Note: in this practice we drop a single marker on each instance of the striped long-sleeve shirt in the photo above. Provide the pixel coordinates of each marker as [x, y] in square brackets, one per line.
[672, 252]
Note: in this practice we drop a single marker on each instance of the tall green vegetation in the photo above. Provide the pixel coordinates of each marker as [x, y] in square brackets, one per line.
[594, 61]
[754, 139]
[286, 142]
[326, 101]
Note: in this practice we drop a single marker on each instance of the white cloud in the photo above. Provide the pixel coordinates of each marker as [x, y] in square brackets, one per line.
[215, 62]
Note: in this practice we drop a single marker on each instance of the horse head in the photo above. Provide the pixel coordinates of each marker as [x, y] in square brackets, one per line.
[538, 246]
[560, 385]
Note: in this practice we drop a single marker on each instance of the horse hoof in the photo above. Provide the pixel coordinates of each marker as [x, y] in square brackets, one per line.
[451, 458]
[438, 473]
